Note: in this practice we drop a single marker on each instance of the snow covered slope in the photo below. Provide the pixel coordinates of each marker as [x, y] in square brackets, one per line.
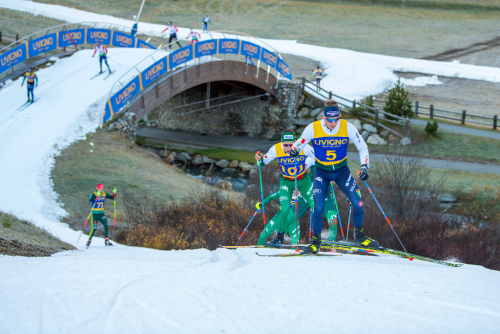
[350, 74]
[132, 290]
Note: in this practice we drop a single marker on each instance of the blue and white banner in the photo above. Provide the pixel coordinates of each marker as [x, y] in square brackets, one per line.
[124, 95]
[250, 49]
[143, 45]
[180, 56]
[13, 57]
[269, 58]
[284, 69]
[153, 72]
[42, 44]
[102, 36]
[78, 35]
[229, 46]
[206, 48]
[123, 40]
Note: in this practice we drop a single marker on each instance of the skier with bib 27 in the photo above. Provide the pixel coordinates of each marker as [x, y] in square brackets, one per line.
[280, 152]
[97, 199]
[31, 77]
[101, 51]
[330, 137]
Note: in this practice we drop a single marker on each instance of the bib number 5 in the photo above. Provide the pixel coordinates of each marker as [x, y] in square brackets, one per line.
[330, 155]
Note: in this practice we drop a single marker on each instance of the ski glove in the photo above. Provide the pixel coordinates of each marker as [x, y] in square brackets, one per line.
[114, 191]
[364, 172]
[293, 153]
[258, 205]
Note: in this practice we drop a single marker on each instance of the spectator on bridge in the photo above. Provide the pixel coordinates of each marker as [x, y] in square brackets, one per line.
[318, 75]
[206, 21]
[32, 78]
[194, 36]
[247, 58]
[172, 30]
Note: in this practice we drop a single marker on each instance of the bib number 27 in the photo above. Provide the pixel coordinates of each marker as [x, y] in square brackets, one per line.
[330, 155]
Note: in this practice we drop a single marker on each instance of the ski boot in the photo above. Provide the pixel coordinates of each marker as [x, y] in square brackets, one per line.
[87, 245]
[314, 247]
[101, 71]
[277, 242]
[361, 239]
[107, 242]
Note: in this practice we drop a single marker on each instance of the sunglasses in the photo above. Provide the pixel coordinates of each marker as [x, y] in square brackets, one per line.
[287, 145]
[332, 120]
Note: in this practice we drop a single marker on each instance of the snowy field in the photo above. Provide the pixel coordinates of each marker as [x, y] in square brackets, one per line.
[133, 290]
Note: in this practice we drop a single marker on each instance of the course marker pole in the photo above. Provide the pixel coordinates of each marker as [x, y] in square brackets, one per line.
[262, 198]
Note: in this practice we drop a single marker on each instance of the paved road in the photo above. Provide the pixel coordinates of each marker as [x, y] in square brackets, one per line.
[255, 144]
[460, 129]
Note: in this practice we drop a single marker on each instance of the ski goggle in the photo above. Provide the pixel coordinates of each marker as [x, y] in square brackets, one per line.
[332, 120]
[287, 145]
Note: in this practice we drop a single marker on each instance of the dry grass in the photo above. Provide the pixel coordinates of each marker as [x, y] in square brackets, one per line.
[14, 22]
[116, 162]
[22, 237]
[357, 25]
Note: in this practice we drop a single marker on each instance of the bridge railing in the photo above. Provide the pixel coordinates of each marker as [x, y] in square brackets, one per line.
[72, 37]
[161, 64]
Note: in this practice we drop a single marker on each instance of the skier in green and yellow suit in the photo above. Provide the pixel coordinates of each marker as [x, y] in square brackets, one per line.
[280, 152]
[97, 199]
[330, 214]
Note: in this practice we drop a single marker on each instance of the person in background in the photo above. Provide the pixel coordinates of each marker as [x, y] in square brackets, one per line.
[194, 36]
[318, 75]
[32, 81]
[206, 21]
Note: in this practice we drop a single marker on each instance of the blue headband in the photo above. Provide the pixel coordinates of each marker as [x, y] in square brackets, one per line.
[331, 112]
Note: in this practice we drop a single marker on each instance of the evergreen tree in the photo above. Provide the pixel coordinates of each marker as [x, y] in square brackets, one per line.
[397, 102]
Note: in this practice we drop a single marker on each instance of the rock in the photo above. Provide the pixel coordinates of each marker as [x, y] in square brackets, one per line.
[376, 140]
[302, 121]
[183, 157]
[229, 170]
[303, 112]
[405, 141]
[316, 112]
[254, 174]
[246, 168]
[365, 134]
[384, 133]
[170, 158]
[197, 160]
[370, 128]
[320, 115]
[302, 99]
[243, 163]
[392, 138]
[222, 163]
[445, 198]
[207, 160]
[356, 123]
[224, 184]
[234, 164]
[162, 154]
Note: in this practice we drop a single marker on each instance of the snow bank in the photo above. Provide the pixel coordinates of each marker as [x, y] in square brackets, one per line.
[70, 106]
[421, 81]
[351, 74]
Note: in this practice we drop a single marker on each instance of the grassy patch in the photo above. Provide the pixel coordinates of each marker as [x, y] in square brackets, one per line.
[24, 238]
[452, 146]
[357, 25]
[21, 23]
[117, 163]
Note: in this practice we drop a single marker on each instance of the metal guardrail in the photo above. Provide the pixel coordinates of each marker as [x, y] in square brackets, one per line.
[463, 118]
[348, 106]
[161, 52]
[156, 42]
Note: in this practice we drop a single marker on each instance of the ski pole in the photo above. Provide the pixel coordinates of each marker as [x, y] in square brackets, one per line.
[349, 220]
[248, 225]
[296, 207]
[83, 228]
[114, 203]
[338, 213]
[262, 197]
[310, 223]
[392, 228]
